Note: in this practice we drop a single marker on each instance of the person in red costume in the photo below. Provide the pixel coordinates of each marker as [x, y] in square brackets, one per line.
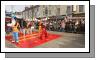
[43, 31]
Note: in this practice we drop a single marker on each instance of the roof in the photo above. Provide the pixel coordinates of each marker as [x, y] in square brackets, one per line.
[30, 8]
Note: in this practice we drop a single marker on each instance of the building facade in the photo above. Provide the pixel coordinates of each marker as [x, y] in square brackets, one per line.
[51, 10]
[30, 12]
[40, 11]
[78, 11]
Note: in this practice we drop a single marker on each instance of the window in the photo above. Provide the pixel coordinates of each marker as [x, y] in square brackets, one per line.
[74, 8]
[49, 12]
[43, 12]
[69, 9]
[46, 11]
[37, 9]
[81, 8]
[58, 11]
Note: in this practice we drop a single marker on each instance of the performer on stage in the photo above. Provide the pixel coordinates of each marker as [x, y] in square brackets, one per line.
[40, 28]
[42, 31]
[15, 32]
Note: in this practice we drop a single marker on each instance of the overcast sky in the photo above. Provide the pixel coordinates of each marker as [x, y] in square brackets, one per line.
[17, 8]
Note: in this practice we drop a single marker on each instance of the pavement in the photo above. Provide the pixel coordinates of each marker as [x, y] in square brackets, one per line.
[67, 40]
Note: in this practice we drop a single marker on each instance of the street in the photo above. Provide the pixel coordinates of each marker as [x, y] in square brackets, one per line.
[51, 18]
[67, 40]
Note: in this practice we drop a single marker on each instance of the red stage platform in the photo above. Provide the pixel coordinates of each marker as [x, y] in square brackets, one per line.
[31, 41]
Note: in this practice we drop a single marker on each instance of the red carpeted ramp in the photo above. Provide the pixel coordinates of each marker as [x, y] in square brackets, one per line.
[33, 40]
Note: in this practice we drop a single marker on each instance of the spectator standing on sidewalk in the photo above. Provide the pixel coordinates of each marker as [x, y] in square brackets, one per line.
[55, 25]
[51, 25]
[62, 26]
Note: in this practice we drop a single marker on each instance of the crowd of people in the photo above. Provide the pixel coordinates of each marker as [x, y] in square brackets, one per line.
[52, 25]
[74, 26]
[27, 27]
